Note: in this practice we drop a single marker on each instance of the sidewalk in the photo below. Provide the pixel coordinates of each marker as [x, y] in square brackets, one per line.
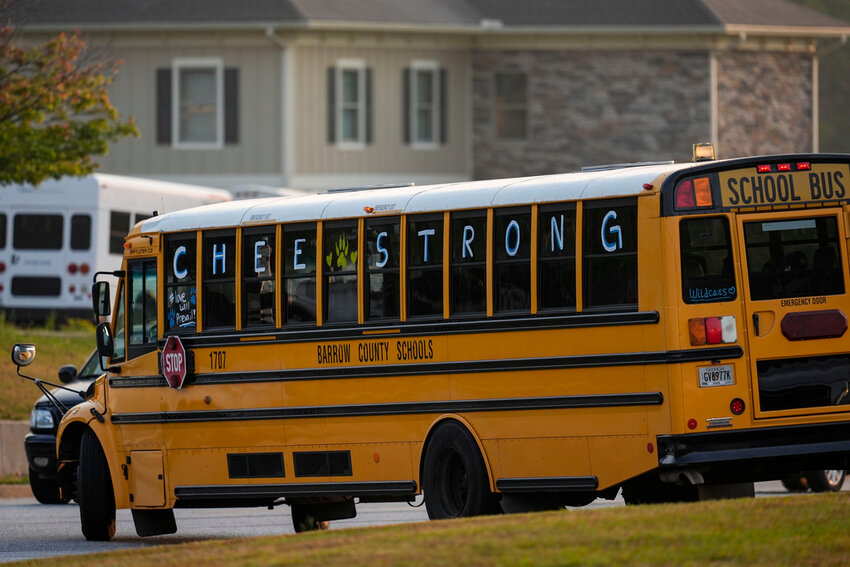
[15, 491]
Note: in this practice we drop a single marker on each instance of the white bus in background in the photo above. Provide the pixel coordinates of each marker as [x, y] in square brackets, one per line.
[53, 237]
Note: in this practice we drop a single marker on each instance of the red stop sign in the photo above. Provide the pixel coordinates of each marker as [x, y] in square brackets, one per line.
[174, 362]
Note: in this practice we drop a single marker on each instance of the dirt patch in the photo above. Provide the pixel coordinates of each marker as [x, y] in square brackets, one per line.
[15, 491]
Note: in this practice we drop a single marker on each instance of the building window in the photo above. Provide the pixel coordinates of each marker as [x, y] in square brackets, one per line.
[425, 88]
[197, 104]
[511, 106]
[350, 104]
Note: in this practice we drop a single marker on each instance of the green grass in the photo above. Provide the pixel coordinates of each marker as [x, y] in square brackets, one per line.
[801, 530]
[69, 345]
[14, 479]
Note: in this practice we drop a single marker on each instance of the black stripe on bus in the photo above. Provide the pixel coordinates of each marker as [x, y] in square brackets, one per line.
[548, 484]
[395, 488]
[462, 367]
[396, 408]
[442, 327]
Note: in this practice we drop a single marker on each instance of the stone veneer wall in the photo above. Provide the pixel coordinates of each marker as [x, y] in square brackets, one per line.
[593, 107]
[764, 103]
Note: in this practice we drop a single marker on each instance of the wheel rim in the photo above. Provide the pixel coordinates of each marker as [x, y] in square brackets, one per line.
[834, 477]
[452, 482]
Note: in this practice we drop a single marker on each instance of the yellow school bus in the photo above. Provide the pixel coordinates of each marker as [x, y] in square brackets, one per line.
[677, 331]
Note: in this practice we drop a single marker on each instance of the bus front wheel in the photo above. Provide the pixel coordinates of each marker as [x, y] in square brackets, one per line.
[455, 478]
[94, 491]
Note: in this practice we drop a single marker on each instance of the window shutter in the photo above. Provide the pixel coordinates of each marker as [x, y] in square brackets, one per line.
[444, 106]
[163, 106]
[405, 106]
[231, 106]
[331, 105]
[369, 105]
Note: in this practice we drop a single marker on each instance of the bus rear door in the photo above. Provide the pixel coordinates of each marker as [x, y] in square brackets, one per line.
[796, 301]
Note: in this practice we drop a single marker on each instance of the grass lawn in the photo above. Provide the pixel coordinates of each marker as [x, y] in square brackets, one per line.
[70, 345]
[802, 530]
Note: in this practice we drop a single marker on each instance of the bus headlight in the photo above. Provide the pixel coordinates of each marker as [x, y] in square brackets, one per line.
[41, 419]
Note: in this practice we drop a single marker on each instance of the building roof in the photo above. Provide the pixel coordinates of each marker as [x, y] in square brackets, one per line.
[720, 15]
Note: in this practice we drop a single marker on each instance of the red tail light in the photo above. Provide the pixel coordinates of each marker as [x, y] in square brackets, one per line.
[737, 406]
[84, 268]
[764, 169]
[784, 167]
[692, 194]
[72, 268]
[2, 267]
[712, 330]
[804, 166]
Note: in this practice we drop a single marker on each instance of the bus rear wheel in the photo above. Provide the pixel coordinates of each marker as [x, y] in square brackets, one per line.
[94, 491]
[825, 481]
[455, 477]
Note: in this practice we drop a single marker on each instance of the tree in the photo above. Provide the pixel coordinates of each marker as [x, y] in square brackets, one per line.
[55, 112]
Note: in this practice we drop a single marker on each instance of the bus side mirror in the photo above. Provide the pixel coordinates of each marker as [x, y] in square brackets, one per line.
[23, 355]
[100, 299]
[105, 342]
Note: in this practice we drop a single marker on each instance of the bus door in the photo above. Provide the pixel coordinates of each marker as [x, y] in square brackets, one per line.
[797, 304]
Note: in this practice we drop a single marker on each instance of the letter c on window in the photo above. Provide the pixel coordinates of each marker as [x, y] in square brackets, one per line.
[611, 246]
[179, 274]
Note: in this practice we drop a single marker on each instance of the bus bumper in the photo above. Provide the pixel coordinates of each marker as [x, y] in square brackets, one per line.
[756, 454]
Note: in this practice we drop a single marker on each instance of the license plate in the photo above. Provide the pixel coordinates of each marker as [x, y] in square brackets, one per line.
[716, 376]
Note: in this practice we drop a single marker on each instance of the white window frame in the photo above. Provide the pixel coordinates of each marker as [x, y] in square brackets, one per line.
[434, 68]
[217, 65]
[359, 66]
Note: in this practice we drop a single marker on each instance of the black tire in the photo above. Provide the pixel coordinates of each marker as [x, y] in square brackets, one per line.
[455, 479]
[795, 483]
[94, 491]
[305, 521]
[650, 490]
[45, 490]
[825, 481]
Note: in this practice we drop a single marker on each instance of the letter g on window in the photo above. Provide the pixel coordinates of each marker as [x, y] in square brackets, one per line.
[607, 230]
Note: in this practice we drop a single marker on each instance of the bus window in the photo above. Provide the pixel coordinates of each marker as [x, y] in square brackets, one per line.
[425, 266]
[610, 254]
[707, 262]
[512, 252]
[2, 231]
[180, 303]
[118, 331]
[119, 226]
[38, 232]
[383, 296]
[299, 273]
[339, 251]
[141, 315]
[80, 232]
[469, 262]
[793, 258]
[219, 280]
[258, 277]
[556, 256]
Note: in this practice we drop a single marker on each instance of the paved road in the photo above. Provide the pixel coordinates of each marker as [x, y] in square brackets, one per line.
[31, 530]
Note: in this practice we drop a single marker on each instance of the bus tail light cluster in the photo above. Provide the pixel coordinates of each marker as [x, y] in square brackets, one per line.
[712, 330]
[693, 193]
[83, 268]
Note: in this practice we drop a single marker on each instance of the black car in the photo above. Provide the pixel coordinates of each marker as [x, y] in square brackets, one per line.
[40, 443]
